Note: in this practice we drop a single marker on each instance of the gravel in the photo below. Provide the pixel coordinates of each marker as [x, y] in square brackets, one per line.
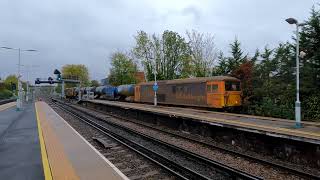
[249, 166]
[173, 155]
[130, 163]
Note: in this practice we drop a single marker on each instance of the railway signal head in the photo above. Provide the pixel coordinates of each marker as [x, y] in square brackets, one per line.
[50, 79]
[37, 81]
[56, 71]
[13, 86]
[59, 77]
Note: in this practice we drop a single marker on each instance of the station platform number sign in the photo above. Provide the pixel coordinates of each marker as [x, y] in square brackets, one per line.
[155, 87]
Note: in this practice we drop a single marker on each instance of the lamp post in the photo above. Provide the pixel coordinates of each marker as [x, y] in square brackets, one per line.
[19, 99]
[155, 86]
[298, 103]
[28, 67]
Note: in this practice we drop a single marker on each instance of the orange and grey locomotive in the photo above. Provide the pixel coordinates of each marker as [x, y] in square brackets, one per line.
[213, 92]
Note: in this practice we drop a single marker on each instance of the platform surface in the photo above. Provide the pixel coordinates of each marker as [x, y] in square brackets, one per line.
[310, 132]
[53, 151]
[7, 105]
[20, 156]
[70, 155]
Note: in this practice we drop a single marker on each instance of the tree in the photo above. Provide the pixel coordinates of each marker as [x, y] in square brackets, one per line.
[5, 94]
[236, 58]
[245, 73]
[310, 70]
[266, 70]
[6, 87]
[95, 83]
[144, 50]
[272, 84]
[226, 65]
[76, 71]
[122, 70]
[175, 51]
[310, 43]
[284, 56]
[10, 82]
[254, 59]
[166, 54]
[203, 52]
[222, 67]
[11, 79]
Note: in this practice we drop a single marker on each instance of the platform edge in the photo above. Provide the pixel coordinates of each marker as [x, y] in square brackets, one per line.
[44, 155]
[95, 150]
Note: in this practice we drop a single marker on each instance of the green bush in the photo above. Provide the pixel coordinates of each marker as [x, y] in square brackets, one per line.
[5, 94]
[311, 108]
[272, 108]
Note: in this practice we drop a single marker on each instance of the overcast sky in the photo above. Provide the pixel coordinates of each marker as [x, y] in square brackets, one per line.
[88, 31]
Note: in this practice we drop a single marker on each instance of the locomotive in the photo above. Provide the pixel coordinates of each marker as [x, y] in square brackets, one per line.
[212, 92]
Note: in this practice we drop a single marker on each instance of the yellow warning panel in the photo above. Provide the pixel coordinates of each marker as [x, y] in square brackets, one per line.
[57, 160]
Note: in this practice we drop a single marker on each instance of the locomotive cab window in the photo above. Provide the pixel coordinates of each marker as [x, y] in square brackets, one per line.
[208, 88]
[232, 86]
[214, 87]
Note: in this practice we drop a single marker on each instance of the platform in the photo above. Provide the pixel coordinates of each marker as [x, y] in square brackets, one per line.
[20, 156]
[310, 132]
[68, 152]
[53, 151]
[7, 105]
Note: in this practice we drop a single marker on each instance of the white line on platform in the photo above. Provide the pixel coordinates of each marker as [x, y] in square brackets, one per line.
[104, 158]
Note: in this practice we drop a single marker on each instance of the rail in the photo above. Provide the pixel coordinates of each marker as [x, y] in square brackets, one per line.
[5, 101]
[231, 172]
[206, 144]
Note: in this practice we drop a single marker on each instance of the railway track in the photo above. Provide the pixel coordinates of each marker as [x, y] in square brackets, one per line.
[282, 166]
[183, 164]
[133, 164]
[5, 101]
[210, 145]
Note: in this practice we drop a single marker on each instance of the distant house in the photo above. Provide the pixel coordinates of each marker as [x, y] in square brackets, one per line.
[140, 77]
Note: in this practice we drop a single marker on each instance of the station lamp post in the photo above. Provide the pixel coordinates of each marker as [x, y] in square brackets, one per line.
[298, 103]
[28, 67]
[19, 99]
[155, 85]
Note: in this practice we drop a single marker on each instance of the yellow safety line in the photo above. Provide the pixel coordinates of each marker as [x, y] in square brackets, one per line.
[44, 156]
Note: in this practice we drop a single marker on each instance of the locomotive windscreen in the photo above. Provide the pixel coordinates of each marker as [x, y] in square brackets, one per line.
[232, 86]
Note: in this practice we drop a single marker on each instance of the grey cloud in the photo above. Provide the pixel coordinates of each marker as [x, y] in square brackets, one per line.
[192, 11]
[87, 32]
